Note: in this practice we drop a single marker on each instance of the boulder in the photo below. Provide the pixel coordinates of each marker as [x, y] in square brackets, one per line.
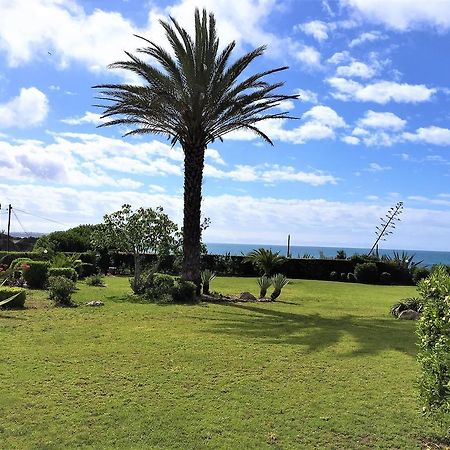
[409, 314]
[95, 303]
[247, 296]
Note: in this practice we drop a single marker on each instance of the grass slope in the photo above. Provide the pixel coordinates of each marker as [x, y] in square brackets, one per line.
[324, 367]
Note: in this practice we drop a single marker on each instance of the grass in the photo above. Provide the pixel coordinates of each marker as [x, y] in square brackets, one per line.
[323, 367]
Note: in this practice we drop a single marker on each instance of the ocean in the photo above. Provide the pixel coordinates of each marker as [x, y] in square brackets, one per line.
[428, 258]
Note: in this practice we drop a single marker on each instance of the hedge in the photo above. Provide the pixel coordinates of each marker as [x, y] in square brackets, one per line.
[7, 292]
[36, 276]
[66, 272]
[7, 258]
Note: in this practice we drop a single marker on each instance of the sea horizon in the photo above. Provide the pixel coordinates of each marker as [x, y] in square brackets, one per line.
[428, 257]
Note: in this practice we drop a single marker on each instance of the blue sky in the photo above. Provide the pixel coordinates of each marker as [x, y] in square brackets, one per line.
[373, 127]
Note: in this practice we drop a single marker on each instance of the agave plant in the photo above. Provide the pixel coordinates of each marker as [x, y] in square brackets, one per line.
[207, 276]
[414, 303]
[279, 281]
[403, 260]
[264, 284]
[264, 260]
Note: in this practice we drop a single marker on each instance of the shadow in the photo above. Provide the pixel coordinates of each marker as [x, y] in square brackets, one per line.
[315, 332]
[5, 316]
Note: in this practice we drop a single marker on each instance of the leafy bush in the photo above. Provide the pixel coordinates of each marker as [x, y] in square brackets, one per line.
[19, 294]
[159, 287]
[264, 283]
[343, 276]
[278, 282]
[266, 261]
[413, 303]
[60, 290]
[67, 272]
[366, 273]
[17, 263]
[184, 292]
[7, 258]
[334, 276]
[385, 278]
[36, 275]
[95, 280]
[207, 276]
[420, 273]
[434, 342]
[351, 277]
[86, 270]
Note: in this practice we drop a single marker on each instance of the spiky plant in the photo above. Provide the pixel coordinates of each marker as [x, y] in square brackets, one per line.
[279, 281]
[207, 276]
[193, 97]
[264, 283]
[266, 261]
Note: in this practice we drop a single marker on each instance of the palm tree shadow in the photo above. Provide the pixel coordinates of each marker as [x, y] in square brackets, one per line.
[315, 332]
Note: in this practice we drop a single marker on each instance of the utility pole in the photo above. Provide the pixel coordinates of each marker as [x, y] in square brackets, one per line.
[289, 246]
[9, 227]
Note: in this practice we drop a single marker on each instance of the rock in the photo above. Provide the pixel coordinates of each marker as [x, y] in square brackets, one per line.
[95, 303]
[409, 314]
[247, 296]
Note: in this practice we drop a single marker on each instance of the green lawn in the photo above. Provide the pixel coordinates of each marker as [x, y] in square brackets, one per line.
[323, 367]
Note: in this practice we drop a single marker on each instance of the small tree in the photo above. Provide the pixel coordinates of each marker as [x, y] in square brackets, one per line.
[145, 230]
[266, 261]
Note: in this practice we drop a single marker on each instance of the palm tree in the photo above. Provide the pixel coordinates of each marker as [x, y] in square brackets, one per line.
[193, 97]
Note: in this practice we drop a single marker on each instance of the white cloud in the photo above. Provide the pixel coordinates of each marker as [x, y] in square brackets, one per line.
[369, 36]
[316, 28]
[29, 108]
[380, 92]
[351, 140]
[429, 135]
[307, 96]
[308, 55]
[325, 116]
[375, 167]
[403, 15]
[340, 58]
[356, 69]
[385, 120]
[89, 117]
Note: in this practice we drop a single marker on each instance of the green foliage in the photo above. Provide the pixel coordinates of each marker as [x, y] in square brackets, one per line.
[340, 254]
[61, 260]
[76, 239]
[434, 342]
[6, 258]
[278, 283]
[36, 275]
[184, 292]
[404, 304]
[159, 288]
[351, 277]
[266, 261]
[16, 297]
[67, 272]
[207, 276]
[343, 276]
[334, 276]
[366, 273]
[385, 278]
[18, 262]
[60, 290]
[264, 283]
[85, 270]
[95, 280]
[420, 273]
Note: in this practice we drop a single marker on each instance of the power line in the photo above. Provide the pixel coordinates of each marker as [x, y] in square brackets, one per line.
[18, 220]
[41, 217]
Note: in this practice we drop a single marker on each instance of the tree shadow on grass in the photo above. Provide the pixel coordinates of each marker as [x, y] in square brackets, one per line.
[316, 333]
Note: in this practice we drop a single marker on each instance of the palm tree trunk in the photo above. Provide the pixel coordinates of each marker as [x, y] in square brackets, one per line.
[193, 174]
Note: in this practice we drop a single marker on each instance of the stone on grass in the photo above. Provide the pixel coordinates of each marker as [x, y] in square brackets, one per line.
[95, 303]
[247, 296]
[409, 314]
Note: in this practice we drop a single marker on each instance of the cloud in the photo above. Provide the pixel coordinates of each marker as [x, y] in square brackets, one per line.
[380, 92]
[385, 120]
[89, 117]
[340, 58]
[356, 69]
[429, 135]
[402, 15]
[29, 108]
[307, 96]
[316, 28]
[369, 36]
[375, 167]
[351, 140]
[309, 56]
[324, 115]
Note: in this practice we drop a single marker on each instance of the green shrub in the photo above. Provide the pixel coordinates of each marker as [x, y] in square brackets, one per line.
[8, 292]
[159, 287]
[366, 273]
[413, 303]
[434, 342]
[385, 278]
[420, 273]
[60, 290]
[7, 258]
[184, 292]
[86, 270]
[36, 275]
[67, 272]
[334, 276]
[351, 277]
[15, 264]
[95, 280]
[343, 276]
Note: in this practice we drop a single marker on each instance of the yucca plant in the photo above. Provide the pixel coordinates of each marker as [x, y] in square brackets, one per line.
[264, 284]
[279, 281]
[193, 95]
[207, 276]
